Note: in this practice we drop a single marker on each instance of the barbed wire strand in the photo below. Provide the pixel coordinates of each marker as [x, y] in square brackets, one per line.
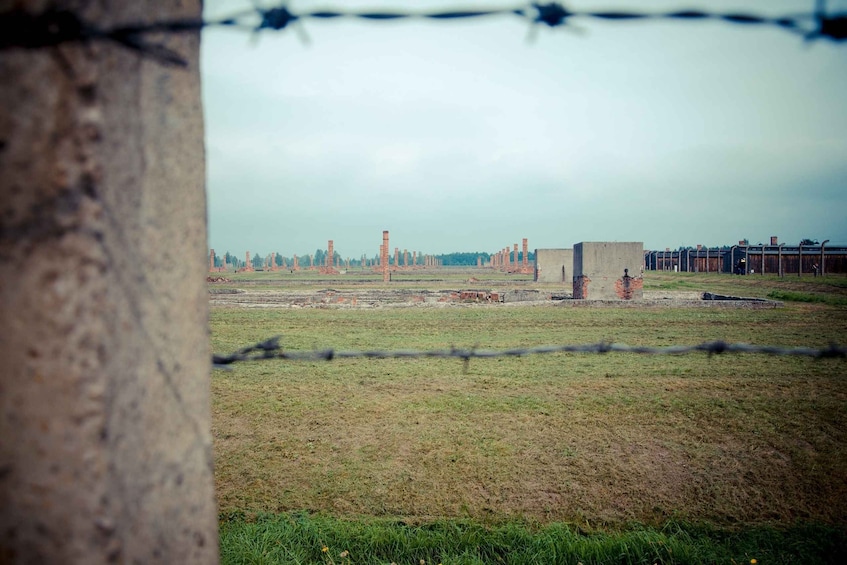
[272, 349]
[22, 29]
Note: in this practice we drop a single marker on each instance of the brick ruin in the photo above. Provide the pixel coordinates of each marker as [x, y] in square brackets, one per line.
[401, 260]
[508, 260]
[383, 257]
[248, 265]
[386, 262]
[272, 262]
[328, 267]
[525, 265]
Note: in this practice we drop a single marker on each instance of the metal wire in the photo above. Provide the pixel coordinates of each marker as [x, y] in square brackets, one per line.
[22, 29]
[272, 349]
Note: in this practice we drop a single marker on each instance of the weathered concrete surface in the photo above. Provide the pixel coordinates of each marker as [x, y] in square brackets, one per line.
[554, 266]
[105, 444]
[608, 270]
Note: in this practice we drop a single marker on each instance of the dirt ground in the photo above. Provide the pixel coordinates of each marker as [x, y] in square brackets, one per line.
[464, 297]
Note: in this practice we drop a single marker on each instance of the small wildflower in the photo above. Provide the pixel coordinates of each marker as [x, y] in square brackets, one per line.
[753, 561]
[423, 562]
[344, 554]
[324, 549]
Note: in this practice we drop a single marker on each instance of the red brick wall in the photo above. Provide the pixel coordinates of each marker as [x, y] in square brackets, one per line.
[580, 287]
[626, 287]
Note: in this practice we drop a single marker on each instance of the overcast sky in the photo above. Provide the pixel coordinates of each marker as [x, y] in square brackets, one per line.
[464, 136]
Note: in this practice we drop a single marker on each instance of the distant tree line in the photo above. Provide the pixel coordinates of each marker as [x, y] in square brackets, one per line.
[468, 259]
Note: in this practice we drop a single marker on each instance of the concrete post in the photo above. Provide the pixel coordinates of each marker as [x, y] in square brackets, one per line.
[106, 453]
[823, 257]
[763, 260]
[779, 260]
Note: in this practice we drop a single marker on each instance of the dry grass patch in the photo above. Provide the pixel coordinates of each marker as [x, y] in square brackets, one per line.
[587, 439]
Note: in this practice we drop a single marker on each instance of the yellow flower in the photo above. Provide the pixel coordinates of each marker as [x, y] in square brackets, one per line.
[324, 549]
[753, 561]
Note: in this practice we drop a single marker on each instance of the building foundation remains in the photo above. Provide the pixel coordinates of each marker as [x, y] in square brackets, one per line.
[554, 266]
[608, 270]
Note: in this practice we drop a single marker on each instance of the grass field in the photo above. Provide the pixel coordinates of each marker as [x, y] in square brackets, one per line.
[703, 454]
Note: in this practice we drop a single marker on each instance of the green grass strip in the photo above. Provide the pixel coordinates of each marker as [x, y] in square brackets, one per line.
[795, 296]
[305, 538]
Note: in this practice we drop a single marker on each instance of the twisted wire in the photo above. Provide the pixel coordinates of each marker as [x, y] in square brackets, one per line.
[272, 349]
[22, 29]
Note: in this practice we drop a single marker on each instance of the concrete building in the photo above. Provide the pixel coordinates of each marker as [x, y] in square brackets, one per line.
[608, 270]
[554, 266]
